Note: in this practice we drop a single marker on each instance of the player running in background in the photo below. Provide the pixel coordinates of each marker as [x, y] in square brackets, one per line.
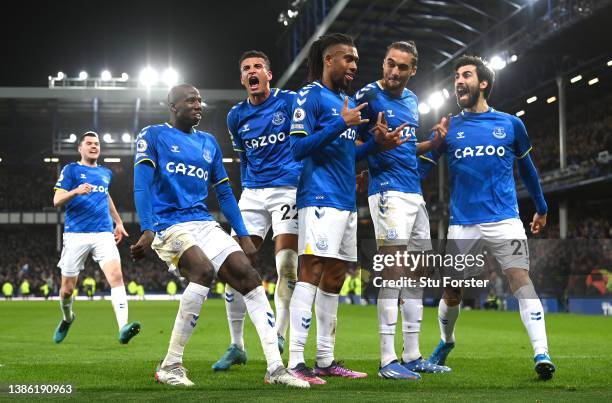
[481, 147]
[323, 133]
[174, 165]
[397, 208]
[88, 228]
[259, 128]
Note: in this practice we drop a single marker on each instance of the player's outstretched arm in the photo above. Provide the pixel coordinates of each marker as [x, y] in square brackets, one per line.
[143, 181]
[120, 231]
[529, 176]
[62, 196]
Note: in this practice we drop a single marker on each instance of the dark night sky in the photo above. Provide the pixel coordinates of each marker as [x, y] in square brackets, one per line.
[201, 39]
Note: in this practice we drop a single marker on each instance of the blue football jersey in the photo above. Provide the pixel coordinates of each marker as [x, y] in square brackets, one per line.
[481, 149]
[88, 212]
[184, 164]
[328, 176]
[260, 133]
[395, 169]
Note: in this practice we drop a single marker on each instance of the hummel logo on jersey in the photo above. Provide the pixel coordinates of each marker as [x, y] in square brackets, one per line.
[499, 132]
[460, 135]
[301, 102]
[83, 176]
[303, 93]
[175, 149]
[334, 112]
[246, 128]
[390, 113]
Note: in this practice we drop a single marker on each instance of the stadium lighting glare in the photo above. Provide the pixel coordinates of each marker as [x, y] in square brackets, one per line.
[106, 75]
[609, 63]
[124, 77]
[445, 93]
[532, 99]
[292, 13]
[497, 63]
[148, 76]
[520, 113]
[51, 159]
[228, 159]
[285, 22]
[126, 138]
[107, 138]
[424, 108]
[112, 159]
[60, 76]
[0, 159]
[72, 138]
[436, 100]
[513, 58]
[593, 81]
[551, 100]
[576, 79]
[83, 75]
[170, 77]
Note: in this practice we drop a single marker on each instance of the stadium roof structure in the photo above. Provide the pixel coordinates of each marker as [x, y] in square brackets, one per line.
[443, 30]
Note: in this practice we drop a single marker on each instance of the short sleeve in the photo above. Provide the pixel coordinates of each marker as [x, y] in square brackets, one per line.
[145, 148]
[66, 179]
[522, 144]
[305, 111]
[232, 128]
[218, 174]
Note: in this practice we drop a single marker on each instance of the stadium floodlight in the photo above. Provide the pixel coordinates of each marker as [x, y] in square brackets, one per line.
[436, 100]
[551, 100]
[126, 137]
[170, 77]
[228, 160]
[609, 63]
[445, 93]
[424, 108]
[520, 113]
[292, 13]
[513, 58]
[107, 138]
[497, 63]
[60, 76]
[594, 80]
[576, 79]
[0, 159]
[124, 77]
[83, 75]
[106, 75]
[532, 99]
[148, 76]
[112, 159]
[72, 138]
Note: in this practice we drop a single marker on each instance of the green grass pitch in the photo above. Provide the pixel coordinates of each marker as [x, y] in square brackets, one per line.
[491, 362]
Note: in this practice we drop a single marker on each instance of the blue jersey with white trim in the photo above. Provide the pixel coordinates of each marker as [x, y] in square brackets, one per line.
[260, 133]
[481, 149]
[185, 164]
[88, 212]
[328, 175]
[395, 169]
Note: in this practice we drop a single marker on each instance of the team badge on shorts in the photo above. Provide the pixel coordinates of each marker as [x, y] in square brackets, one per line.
[177, 244]
[278, 118]
[391, 233]
[322, 244]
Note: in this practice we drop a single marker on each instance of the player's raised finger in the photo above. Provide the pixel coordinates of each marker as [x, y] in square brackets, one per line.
[360, 106]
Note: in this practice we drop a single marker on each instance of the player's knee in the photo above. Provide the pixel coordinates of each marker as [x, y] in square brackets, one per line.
[248, 281]
[286, 264]
[66, 291]
[453, 297]
[202, 275]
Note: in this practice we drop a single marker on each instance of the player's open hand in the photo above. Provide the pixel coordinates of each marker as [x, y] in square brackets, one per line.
[362, 181]
[83, 189]
[249, 249]
[139, 250]
[120, 232]
[352, 117]
[538, 223]
[441, 130]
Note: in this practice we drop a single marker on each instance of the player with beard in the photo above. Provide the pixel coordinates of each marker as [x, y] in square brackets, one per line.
[174, 165]
[397, 208]
[323, 132]
[259, 128]
[481, 147]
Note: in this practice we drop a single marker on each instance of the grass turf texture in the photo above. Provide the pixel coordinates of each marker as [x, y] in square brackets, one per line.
[492, 359]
